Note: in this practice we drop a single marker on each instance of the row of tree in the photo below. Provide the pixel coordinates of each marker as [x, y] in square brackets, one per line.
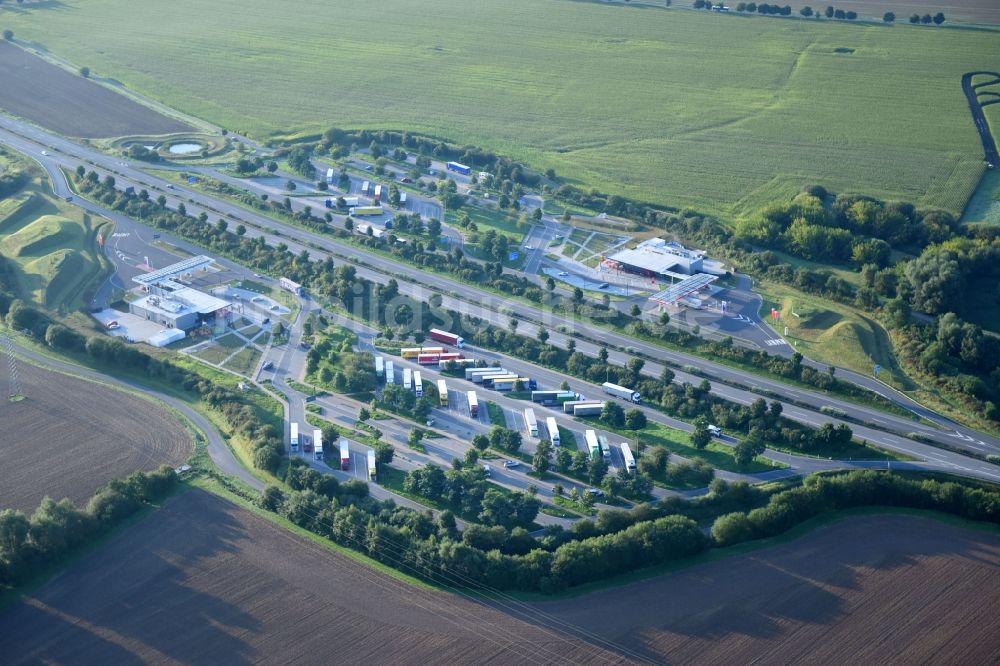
[465, 490]
[55, 528]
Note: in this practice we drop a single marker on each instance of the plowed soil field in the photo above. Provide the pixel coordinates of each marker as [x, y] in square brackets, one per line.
[874, 590]
[70, 104]
[70, 436]
[203, 581]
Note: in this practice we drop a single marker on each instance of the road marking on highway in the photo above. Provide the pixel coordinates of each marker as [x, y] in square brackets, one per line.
[775, 343]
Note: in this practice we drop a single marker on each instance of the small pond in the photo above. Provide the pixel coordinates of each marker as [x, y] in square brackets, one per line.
[184, 148]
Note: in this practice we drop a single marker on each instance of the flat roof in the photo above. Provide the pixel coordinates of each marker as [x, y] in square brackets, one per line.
[650, 259]
[185, 266]
[182, 301]
[686, 287]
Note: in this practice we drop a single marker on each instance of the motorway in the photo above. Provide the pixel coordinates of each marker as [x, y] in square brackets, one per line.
[462, 297]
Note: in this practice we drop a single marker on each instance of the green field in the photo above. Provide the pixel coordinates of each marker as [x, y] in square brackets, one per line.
[716, 112]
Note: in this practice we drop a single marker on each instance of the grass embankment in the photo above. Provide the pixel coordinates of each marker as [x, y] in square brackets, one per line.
[787, 83]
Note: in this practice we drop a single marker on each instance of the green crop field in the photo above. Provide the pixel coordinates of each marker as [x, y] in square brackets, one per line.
[716, 112]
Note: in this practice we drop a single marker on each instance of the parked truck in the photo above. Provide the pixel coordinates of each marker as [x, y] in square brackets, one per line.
[570, 405]
[621, 392]
[330, 176]
[379, 367]
[318, 443]
[605, 447]
[508, 384]
[390, 373]
[553, 397]
[402, 199]
[489, 379]
[530, 422]
[588, 409]
[446, 337]
[291, 285]
[410, 352]
[293, 437]
[407, 379]
[442, 393]
[360, 211]
[628, 457]
[364, 187]
[345, 455]
[473, 404]
[553, 428]
[593, 446]
[377, 197]
[371, 465]
[352, 202]
[472, 372]
[458, 168]
[418, 384]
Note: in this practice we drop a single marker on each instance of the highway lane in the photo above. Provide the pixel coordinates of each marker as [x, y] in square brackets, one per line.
[468, 294]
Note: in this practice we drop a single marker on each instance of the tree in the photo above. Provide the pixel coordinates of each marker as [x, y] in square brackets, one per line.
[415, 436]
[550, 284]
[888, 17]
[851, 15]
[635, 419]
[602, 355]
[829, 12]
[636, 310]
[290, 186]
[806, 11]
[543, 335]
[85, 72]
[700, 436]
[938, 18]
[613, 414]
[384, 452]
[8, 35]
[540, 461]
[926, 19]
[936, 280]
[364, 414]
[481, 442]
[272, 166]
[748, 449]
[597, 470]
[915, 18]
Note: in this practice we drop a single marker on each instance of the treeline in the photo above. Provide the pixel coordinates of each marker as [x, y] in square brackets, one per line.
[850, 228]
[823, 494]
[616, 542]
[55, 528]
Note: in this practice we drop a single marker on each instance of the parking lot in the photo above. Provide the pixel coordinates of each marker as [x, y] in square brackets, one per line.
[129, 326]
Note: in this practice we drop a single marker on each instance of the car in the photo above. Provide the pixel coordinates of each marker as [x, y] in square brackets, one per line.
[603, 285]
[310, 398]
[257, 275]
[45, 152]
[486, 470]
[563, 274]
[430, 422]
[511, 463]
[595, 492]
[268, 365]
[528, 247]
[112, 325]
[69, 197]
[171, 186]
[715, 431]
[368, 167]
[275, 308]
[156, 236]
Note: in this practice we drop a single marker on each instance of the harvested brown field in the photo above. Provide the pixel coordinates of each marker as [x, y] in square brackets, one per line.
[888, 589]
[70, 104]
[204, 581]
[70, 436]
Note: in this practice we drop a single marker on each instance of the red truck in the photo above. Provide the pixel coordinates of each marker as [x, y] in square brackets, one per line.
[447, 338]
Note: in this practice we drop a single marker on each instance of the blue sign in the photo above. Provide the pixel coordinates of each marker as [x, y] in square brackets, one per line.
[512, 257]
[192, 179]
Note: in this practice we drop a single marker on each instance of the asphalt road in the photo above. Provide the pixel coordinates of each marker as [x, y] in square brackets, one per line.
[462, 296]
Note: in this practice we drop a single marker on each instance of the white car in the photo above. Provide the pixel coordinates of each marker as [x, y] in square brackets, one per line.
[511, 463]
[595, 492]
[45, 152]
[563, 274]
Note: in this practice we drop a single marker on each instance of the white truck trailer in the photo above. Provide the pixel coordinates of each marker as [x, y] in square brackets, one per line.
[621, 392]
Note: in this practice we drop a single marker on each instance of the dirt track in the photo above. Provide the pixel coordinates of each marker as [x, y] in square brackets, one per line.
[70, 104]
[873, 590]
[70, 436]
[202, 581]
